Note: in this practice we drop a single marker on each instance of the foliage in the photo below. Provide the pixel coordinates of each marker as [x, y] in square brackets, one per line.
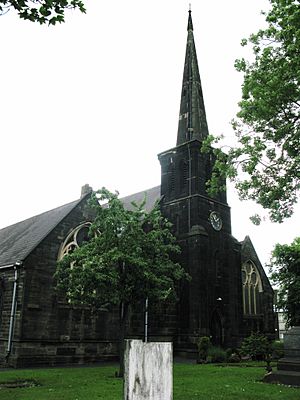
[127, 259]
[277, 349]
[42, 11]
[285, 272]
[193, 382]
[216, 354]
[203, 345]
[256, 346]
[233, 356]
[265, 164]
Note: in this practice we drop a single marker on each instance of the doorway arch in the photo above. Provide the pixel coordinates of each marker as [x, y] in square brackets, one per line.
[216, 328]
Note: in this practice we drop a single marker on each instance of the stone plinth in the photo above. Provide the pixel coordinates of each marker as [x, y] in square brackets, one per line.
[148, 371]
[292, 343]
[288, 368]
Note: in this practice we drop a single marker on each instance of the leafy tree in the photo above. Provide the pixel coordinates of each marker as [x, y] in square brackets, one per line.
[285, 268]
[42, 11]
[265, 163]
[126, 260]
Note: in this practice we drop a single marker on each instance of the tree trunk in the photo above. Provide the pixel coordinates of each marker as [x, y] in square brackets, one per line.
[122, 322]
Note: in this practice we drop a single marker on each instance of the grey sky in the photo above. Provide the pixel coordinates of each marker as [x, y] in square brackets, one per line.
[96, 99]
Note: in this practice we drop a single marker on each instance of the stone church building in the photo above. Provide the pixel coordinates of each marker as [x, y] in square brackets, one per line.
[228, 297]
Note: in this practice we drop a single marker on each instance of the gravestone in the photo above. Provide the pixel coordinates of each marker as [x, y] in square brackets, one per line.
[148, 371]
[288, 368]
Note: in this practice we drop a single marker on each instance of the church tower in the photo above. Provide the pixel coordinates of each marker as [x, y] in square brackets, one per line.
[211, 303]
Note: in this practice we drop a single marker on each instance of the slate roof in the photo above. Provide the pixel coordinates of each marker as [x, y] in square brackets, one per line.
[151, 195]
[17, 241]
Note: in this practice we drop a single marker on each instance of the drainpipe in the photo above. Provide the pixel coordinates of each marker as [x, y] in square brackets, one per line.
[17, 265]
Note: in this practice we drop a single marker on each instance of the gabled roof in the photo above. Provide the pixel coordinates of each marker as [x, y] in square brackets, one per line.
[19, 240]
[249, 253]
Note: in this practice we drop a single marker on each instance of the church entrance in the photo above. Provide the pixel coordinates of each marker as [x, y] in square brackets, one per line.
[216, 329]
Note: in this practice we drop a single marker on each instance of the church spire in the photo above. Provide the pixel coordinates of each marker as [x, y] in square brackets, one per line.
[192, 118]
[190, 22]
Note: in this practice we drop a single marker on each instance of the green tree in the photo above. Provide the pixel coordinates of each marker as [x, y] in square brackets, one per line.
[285, 269]
[127, 259]
[42, 11]
[265, 163]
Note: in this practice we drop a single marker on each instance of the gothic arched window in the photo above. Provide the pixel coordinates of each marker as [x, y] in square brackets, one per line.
[252, 286]
[74, 239]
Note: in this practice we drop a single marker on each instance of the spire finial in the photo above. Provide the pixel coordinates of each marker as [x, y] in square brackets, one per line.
[190, 22]
[192, 124]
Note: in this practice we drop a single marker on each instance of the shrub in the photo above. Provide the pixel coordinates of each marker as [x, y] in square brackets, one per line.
[216, 354]
[234, 358]
[233, 355]
[277, 349]
[203, 344]
[229, 352]
[256, 346]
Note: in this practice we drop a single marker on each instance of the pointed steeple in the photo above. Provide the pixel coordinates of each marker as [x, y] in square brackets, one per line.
[190, 22]
[192, 118]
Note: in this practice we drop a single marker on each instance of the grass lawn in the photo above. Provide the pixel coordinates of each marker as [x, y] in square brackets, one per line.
[191, 382]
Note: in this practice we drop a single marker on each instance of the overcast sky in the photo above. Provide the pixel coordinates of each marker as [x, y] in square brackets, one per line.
[95, 100]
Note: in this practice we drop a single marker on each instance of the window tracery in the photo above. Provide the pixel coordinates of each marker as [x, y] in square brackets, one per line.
[74, 239]
[252, 286]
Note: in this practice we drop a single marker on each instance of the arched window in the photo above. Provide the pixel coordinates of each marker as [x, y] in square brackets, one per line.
[74, 239]
[252, 286]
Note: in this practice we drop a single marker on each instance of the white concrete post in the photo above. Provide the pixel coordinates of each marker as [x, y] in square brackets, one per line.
[148, 371]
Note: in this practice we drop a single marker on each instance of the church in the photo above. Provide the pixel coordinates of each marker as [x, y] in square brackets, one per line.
[228, 297]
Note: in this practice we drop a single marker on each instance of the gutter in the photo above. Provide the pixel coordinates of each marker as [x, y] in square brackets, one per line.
[8, 266]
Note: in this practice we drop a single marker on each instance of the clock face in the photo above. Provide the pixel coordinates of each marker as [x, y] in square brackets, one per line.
[215, 220]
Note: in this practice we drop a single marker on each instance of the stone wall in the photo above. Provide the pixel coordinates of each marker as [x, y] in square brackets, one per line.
[47, 330]
[7, 279]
